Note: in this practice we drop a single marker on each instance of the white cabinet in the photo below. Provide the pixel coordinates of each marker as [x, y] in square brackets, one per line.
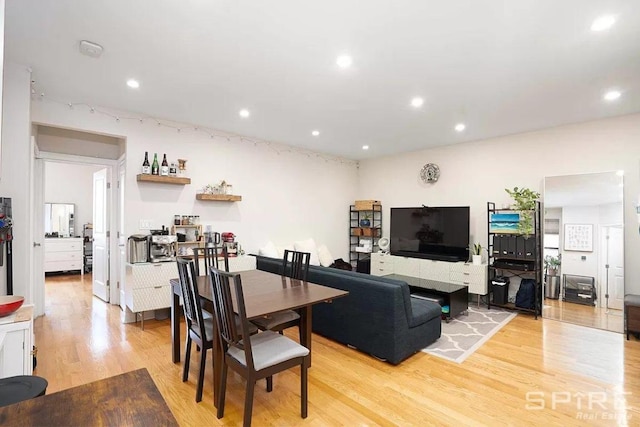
[462, 273]
[16, 343]
[62, 254]
[147, 285]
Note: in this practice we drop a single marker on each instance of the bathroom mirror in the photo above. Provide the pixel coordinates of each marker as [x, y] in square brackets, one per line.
[584, 249]
[59, 219]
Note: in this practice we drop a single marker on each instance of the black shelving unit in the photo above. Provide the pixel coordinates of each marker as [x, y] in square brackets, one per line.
[87, 247]
[516, 255]
[361, 261]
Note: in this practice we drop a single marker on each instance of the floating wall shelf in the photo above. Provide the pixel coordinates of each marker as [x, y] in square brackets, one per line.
[176, 180]
[219, 197]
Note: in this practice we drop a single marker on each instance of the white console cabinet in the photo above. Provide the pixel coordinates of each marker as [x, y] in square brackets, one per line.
[62, 254]
[16, 343]
[473, 276]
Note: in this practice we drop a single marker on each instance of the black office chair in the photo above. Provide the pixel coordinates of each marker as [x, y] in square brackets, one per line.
[261, 356]
[296, 268]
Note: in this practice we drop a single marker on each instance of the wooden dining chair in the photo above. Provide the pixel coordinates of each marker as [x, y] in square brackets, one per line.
[199, 327]
[211, 258]
[261, 356]
[295, 265]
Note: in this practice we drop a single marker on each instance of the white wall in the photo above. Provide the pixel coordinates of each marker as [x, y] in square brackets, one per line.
[287, 196]
[14, 173]
[477, 172]
[576, 262]
[71, 183]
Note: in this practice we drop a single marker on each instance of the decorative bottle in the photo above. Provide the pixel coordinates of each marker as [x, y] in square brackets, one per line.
[164, 169]
[146, 168]
[154, 167]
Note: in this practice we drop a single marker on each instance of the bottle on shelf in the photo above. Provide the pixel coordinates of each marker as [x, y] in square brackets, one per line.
[146, 167]
[164, 169]
[154, 167]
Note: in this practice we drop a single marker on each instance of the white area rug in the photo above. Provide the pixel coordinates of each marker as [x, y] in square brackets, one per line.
[465, 334]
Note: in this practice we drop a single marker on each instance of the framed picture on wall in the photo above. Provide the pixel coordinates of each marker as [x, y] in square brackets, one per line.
[578, 237]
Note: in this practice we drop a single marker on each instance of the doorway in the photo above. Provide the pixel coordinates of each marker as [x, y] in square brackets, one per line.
[71, 178]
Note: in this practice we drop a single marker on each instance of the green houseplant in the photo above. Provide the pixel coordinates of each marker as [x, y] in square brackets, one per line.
[525, 203]
[551, 264]
[476, 253]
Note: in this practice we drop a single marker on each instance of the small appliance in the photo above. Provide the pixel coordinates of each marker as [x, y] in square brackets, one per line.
[138, 248]
[211, 238]
[228, 241]
[162, 248]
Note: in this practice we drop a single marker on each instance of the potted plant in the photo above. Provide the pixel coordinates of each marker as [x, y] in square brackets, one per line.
[366, 221]
[551, 264]
[476, 254]
[525, 203]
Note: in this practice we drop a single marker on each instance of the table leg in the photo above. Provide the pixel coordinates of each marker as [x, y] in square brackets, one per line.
[175, 328]
[305, 329]
[217, 357]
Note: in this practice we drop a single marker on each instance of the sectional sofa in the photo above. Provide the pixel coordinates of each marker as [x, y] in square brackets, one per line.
[378, 317]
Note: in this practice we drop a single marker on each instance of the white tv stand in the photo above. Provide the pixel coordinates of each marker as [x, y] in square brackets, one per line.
[462, 273]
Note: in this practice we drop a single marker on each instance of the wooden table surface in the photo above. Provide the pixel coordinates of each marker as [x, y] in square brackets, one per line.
[129, 399]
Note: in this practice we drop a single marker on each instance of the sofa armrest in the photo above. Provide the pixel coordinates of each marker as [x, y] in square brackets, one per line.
[422, 311]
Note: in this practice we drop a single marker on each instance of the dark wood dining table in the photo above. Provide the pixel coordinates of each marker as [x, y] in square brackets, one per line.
[130, 399]
[264, 294]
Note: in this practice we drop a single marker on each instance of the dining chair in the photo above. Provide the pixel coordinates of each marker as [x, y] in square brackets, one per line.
[260, 356]
[211, 257]
[294, 265]
[199, 327]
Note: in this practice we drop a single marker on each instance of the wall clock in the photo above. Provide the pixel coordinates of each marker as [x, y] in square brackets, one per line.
[430, 173]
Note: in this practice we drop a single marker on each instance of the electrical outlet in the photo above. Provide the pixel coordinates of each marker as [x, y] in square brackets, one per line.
[146, 224]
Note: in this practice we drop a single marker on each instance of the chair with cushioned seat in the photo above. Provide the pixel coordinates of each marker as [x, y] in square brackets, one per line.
[21, 387]
[297, 268]
[261, 356]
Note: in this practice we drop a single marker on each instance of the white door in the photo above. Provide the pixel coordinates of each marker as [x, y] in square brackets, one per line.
[122, 248]
[100, 236]
[616, 267]
[37, 231]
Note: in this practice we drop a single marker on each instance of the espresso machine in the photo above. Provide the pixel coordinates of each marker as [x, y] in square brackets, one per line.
[228, 241]
[162, 248]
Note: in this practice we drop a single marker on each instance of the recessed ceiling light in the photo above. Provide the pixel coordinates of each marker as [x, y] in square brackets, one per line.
[460, 127]
[603, 23]
[244, 113]
[133, 84]
[315, 133]
[417, 102]
[365, 147]
[612, 95]
[344, 61]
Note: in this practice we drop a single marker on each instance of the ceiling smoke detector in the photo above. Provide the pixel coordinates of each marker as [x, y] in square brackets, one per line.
[91, 49]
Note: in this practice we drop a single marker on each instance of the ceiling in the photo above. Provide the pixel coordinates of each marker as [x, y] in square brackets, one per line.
[500, 67]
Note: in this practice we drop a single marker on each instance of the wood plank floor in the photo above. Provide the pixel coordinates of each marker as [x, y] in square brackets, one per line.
[585, 315]
[532, 372]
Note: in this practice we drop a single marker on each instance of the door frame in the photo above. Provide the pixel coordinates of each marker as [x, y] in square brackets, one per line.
[112, 171]
[602, 261]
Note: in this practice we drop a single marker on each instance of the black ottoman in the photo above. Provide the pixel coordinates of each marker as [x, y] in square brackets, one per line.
[21, 387]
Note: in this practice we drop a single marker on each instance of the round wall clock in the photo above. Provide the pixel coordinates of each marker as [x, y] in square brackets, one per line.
[430, 172]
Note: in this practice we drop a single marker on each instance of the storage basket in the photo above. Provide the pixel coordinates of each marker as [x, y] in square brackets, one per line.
[366, 205]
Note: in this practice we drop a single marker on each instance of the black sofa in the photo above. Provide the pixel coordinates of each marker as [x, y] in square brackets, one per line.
[378, 317]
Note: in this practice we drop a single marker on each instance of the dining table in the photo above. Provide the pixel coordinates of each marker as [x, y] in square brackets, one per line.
[264, 294]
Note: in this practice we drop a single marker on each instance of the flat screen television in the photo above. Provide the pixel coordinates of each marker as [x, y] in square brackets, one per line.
[439, 233]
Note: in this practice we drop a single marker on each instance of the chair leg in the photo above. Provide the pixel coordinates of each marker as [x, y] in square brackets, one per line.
[303, 388]
[203, 361]
[248, 402]
[269, 383]
[187, 359]
[222, 389]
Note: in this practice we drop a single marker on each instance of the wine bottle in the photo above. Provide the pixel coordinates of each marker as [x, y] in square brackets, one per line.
[164, 169]
[154, 166]
[146, 167]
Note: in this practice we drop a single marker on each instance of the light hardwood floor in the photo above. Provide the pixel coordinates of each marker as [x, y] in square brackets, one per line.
[582, 371]
[585, 315]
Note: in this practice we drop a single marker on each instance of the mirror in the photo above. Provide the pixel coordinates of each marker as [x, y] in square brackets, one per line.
[584, 250]
[58, 220]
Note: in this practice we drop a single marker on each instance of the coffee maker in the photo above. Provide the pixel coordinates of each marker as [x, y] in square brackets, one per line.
[162, 247]
[211, 238]
[228, 241]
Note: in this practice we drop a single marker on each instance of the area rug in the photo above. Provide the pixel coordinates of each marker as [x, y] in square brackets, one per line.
[465, 334]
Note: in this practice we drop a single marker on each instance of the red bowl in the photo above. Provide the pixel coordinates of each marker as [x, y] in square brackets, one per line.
[9, 304]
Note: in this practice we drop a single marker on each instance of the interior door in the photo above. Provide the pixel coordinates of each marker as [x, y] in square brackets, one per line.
[616, 267]
[37, 230]
[100, 235]
[122, 248]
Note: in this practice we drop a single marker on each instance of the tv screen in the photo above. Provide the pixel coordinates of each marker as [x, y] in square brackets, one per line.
[440, 233]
